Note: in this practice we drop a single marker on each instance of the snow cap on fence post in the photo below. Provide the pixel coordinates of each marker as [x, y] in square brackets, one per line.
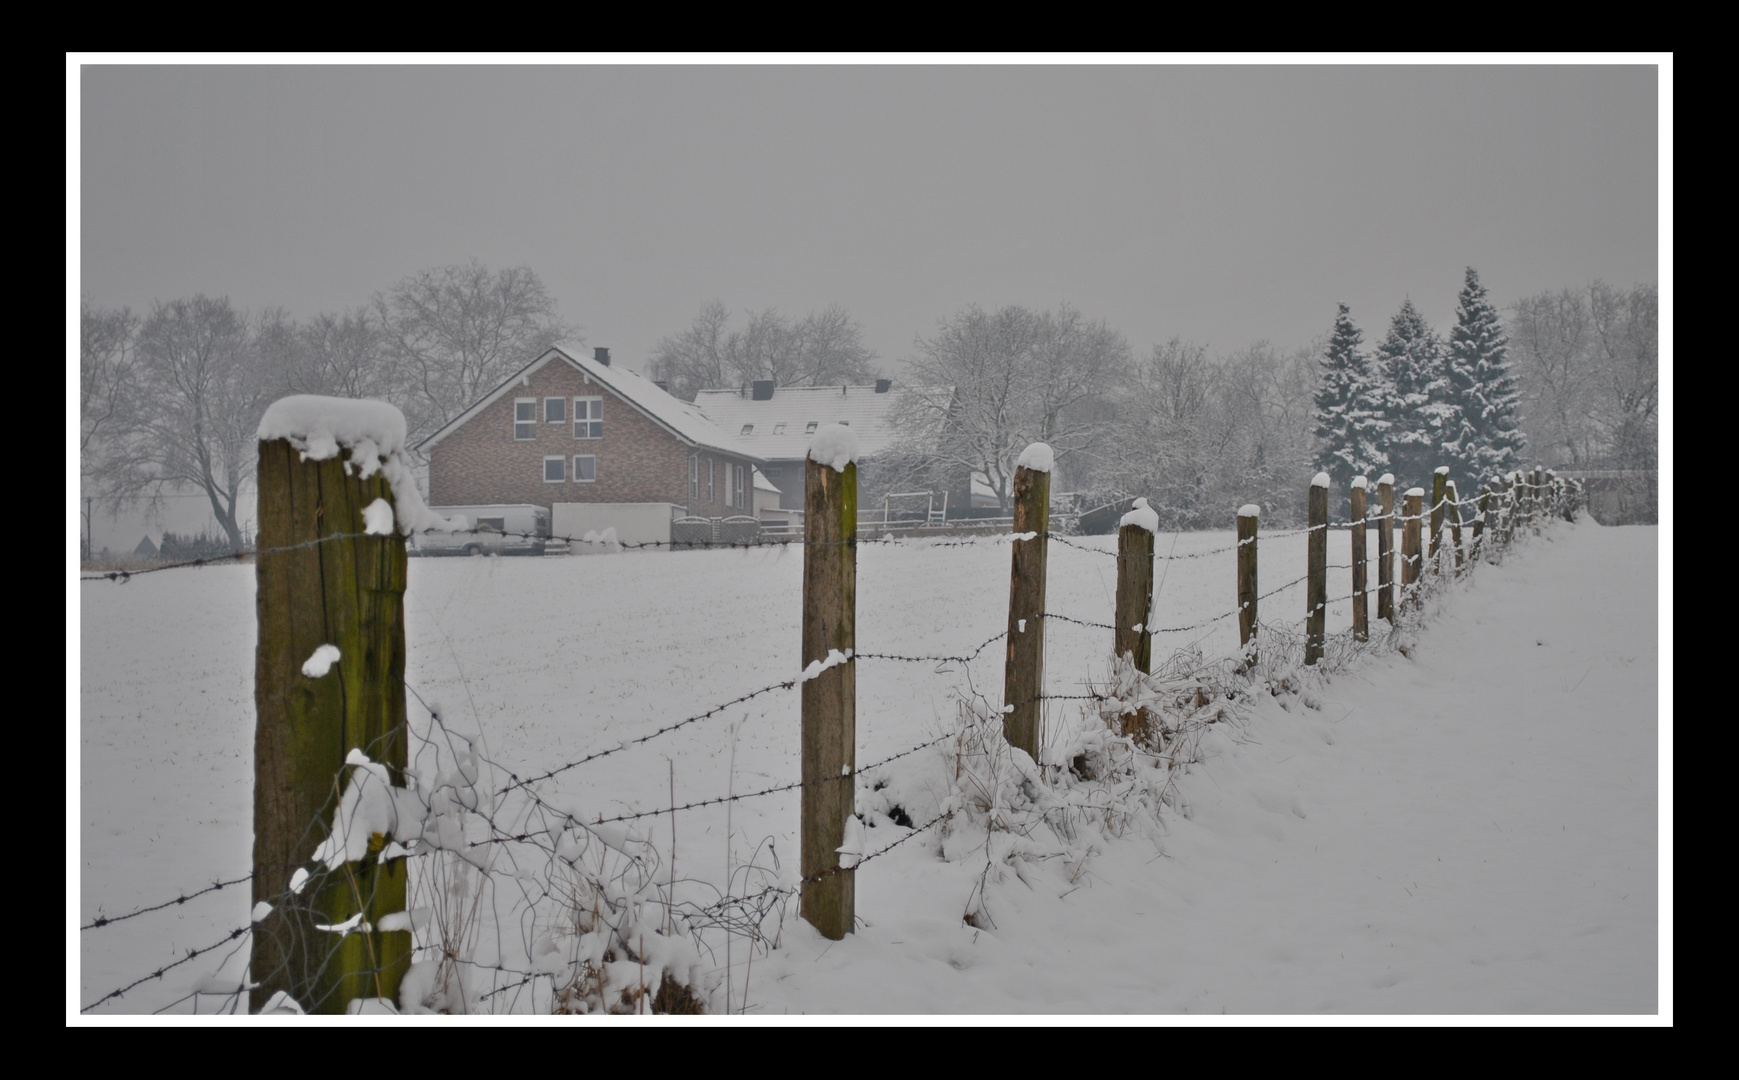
[1249, 510]
[1360, 483]
[1386, 478]
[834, 445]
[1039, 457]
[373, 432]
[1141, 515]
[1319, 480]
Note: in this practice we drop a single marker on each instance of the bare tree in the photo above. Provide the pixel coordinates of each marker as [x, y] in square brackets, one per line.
[1017, 377]
[821, 349]
[341, 355]
[1199, 436]
[696, 359]
[192, 419]
[107, 355]
[452, 333]
[107, 388]
[1588, 360]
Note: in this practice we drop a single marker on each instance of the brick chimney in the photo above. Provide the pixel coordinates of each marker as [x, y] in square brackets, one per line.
[602, 356]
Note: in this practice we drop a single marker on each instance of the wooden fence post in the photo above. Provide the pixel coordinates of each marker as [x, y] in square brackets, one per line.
[1454, 506]
[1386, 547]
[1316, 570]
[1024, 671]
[1479, 523]
[1538, 507]
[1510, 509]
[1412, 509]
[1361, 609]
[1135, 539]
[1247, 521]
[1439, 484]
[829, 891]
[339, 586]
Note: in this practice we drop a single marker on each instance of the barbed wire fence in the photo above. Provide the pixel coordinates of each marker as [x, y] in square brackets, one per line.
[602, 924]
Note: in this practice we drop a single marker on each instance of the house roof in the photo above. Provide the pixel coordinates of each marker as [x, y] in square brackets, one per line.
[776, 427]
[678, 417]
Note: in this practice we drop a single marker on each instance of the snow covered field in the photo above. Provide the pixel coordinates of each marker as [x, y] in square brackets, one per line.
[1472, 830]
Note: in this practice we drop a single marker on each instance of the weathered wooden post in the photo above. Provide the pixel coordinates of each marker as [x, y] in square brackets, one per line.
[329, 668]
[1537, 505]
[1453, 499]
[1412, 510]
[1361, 609]
[1439, 484]
[1479, 523]
[1386, 547]
[1023, 678]
[1316, 570]
[1247, 520]
[1511, 511]
[829, 895]
[1133, 638]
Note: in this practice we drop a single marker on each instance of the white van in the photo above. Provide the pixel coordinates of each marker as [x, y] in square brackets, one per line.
[509, 529]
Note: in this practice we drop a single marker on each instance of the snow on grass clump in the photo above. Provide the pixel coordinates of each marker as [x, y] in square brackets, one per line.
[1039, 457]
[373, 432]
[834, 445]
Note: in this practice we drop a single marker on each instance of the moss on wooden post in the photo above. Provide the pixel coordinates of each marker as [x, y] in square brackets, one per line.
[1439, 484]
[829, 891]
[1386, 548]
[1453, 505]
[1316, 571]
[1132, 637]
[334, 586]
[1247, 522]
[1412, 510]
[1361, 606]
[1024, 671]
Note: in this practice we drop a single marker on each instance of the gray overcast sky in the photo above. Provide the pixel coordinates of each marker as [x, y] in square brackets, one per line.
[1217, 204]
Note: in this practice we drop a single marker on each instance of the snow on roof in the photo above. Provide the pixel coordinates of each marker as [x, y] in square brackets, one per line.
[779, 428]
[764, 484]
[685, 421]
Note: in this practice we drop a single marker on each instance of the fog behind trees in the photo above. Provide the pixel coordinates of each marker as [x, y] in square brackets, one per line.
[170, 397]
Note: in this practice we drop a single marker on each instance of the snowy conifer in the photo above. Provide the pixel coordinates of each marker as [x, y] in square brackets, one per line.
[1488, 439]
[1348, 401]
[1417, 408]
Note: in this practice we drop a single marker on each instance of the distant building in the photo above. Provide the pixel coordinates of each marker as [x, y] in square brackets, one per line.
[775, 423]
[571, 428]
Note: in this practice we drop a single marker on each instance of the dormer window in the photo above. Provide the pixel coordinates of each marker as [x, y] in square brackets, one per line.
[809, 428]
[779, 428]
[748, 429]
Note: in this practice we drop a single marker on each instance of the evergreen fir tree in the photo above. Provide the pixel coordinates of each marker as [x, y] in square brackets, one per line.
[1488, 439]
[1417, 405]
[1346, 400]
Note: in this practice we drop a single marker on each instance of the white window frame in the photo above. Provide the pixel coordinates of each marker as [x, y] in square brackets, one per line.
[711, 491]
[594, 420]
[546, 404]
[563, 478]
[578, 479]
[530, 425]
[694, 478]
[742, 490]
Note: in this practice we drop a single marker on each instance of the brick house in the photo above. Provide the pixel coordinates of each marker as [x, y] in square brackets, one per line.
[570, 428]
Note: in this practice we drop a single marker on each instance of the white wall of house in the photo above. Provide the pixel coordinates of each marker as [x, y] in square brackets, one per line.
[635, 523]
